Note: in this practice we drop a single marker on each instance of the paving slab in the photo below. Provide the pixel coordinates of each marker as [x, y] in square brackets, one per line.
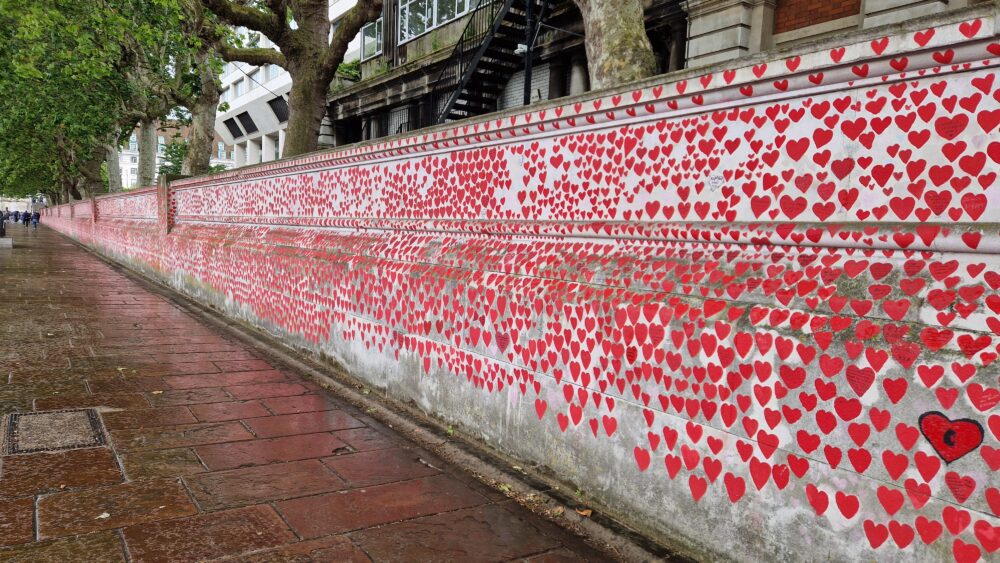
[148, 418]
[40, 473]
[377, 467]
[234, 410]
[263, 483]
[302, 423]
[102, 547]
[154, 464]
[17, 521]
[214, 450]
[106, 508]
[335, 513]
[474, 535]
[176, 436]
[208, 536]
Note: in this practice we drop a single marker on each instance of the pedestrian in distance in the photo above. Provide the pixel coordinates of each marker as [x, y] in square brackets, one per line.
[17, 215]
[26, 218]
[34, 219]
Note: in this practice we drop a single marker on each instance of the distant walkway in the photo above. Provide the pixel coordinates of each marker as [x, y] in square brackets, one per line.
[213, 453]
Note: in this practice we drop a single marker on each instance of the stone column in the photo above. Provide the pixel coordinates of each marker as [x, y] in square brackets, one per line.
[678, 33]
[882, 12]
[269, 148]
[721, 30]
[240, 154]
[253, 151]
[557, 79]
[579, 79]
[163, 211]
[762, 25]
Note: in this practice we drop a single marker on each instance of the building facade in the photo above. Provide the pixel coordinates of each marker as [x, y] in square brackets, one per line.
[128, 155]
[416, 57]
[255, 100]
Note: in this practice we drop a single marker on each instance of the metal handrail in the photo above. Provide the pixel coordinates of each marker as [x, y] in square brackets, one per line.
[486, 18]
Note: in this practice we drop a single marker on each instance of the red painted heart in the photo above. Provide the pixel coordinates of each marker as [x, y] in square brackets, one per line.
[951, 439]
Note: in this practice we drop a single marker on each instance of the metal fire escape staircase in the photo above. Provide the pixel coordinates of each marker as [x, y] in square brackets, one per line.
[487, 55]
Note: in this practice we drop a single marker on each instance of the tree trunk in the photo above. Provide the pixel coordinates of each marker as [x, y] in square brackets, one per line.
[200, 142]
[90, 170]
[71, 191]
[147, 153]
[618, 49]
[306, 108]
[114, 169]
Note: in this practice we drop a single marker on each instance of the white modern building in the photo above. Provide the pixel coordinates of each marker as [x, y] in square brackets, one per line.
[257, 97]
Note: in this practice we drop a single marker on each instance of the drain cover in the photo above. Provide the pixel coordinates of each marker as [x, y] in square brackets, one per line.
[31, 432]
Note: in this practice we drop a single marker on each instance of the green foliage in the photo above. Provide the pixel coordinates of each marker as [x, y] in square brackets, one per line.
[79, 74]
[350, 70]
[173, 156]
[105, 182]
[378, 69]
[60, 74]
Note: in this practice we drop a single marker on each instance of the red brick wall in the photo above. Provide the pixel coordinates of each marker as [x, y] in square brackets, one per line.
[796, 14]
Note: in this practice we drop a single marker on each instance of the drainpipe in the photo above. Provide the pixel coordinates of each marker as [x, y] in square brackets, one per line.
[529, 40]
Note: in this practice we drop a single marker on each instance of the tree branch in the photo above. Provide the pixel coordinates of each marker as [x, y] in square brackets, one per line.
[364, 12]
[278, 7]
[256, 56]
[247, 17]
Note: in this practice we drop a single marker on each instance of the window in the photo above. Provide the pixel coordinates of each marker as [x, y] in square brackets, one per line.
[448, 10]
[233, 128]
[224, 95]
[417, 17]
[371, 39]
[237, 89]
[161, 144]
[248, 125]
[135, 159]
[135, 171]
[222, 150]
[280, 108]
[252, 80]
[133, 143]
[273, 71]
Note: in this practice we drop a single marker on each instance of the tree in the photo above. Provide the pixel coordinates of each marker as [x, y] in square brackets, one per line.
[174, 156]
[618, 49]
[79, 75]
[306, 49]
[174, 64]
[62, 78]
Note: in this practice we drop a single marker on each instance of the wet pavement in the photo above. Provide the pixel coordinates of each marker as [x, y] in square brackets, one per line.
[212, 452]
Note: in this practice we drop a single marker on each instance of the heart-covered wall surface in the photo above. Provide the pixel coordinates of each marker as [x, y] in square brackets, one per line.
[756, 310]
